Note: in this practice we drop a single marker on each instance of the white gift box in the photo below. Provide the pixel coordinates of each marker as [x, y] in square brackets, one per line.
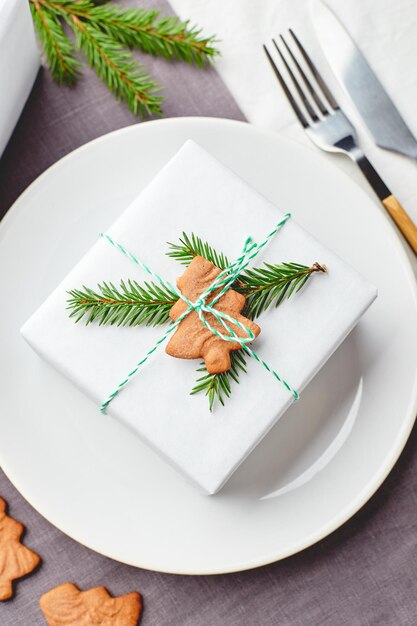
[19, 63]
[195, 193]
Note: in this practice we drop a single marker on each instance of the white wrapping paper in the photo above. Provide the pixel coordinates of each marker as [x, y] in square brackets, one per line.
[195, 193]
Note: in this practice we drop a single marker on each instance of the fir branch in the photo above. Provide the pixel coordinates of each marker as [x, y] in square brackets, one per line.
[103, 32]
[56, 45]
[219, 386]
[191, 246]
[117, 68]
[144, 30]
[129, 305]
[132, 304]
[271, 284]
[262, 286]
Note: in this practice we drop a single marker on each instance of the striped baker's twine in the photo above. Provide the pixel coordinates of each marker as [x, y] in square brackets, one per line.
[222, 282]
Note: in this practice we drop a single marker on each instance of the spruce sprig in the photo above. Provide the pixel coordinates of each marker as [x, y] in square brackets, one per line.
[144, 30]
[125, 78]
[129, 305]
[104, 33]
[271, 284]
[219, 386]
[132, 304]
[190, 246]
[56, 45]
[262, 286]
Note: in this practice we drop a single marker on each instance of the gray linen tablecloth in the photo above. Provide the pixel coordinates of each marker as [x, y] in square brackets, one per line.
[364, 574]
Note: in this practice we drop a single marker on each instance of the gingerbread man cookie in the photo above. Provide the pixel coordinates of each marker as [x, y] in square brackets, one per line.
[192, 339]
[66, 605]
[15, 559]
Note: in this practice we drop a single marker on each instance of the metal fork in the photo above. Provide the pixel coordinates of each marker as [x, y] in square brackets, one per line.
[327, 125]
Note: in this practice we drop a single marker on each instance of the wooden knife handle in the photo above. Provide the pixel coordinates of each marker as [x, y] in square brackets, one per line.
[403, 221]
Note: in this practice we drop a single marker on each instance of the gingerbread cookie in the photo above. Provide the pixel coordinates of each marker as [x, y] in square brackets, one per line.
[192, 339]
[15, 559]
[66, 605]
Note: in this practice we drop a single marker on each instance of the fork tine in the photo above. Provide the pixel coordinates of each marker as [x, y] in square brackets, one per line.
[315, 96]
[297, 85]
[287, 92]
[330, 98]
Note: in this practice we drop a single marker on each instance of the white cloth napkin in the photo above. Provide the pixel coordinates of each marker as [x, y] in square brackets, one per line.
[19, 63]
[196, 193]
[385, 31]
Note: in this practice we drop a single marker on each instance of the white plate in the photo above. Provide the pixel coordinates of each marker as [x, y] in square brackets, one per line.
[324, 459]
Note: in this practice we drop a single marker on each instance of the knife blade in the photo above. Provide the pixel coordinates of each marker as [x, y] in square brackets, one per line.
[350, 67]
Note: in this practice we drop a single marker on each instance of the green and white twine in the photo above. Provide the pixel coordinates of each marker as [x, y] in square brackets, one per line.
[223, 282]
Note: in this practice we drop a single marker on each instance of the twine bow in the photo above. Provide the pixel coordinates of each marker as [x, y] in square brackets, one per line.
[222, 282]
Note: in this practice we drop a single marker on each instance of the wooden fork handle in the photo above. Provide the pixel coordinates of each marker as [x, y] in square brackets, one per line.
[390, 202]
[402, 219]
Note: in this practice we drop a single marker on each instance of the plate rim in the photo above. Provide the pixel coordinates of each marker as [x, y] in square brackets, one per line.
[410, 415]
